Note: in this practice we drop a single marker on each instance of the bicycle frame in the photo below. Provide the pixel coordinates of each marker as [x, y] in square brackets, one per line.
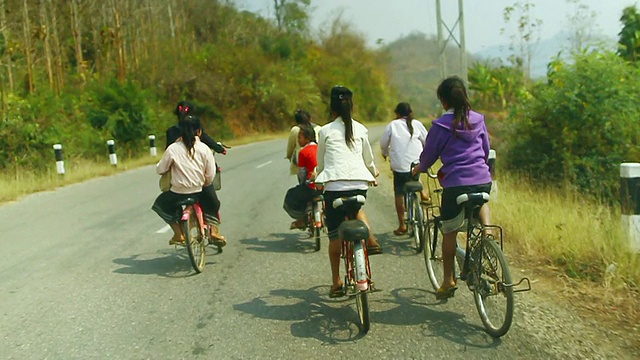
[195, 207]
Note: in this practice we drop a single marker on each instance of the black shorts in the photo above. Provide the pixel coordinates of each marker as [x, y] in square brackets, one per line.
[450, 209]
[399, 179]
[335, 217]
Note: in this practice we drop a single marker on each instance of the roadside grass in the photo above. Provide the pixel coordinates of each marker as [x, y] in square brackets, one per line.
[18, 182]
[578, 241]
[575, 245]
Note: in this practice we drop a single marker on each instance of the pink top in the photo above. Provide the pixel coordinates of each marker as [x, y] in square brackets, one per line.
[188, 175]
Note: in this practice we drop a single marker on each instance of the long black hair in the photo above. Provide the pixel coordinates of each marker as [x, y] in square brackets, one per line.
[342, 104]
[453, 92]
[189, 126]
[404, 110]
[302, 117]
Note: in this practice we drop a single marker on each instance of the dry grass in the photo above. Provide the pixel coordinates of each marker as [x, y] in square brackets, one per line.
[568, 238]
[15, 183]
[19, 182]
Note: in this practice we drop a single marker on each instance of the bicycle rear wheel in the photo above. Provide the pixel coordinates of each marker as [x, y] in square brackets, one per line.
[316, 235]
[418, 224]
[362, 303]
[493, 293]
[433, 254]
[196, 245]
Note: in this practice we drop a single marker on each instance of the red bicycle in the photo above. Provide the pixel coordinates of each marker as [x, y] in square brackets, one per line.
[354, 234]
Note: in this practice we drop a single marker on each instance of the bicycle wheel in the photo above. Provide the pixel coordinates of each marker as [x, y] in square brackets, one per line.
[418, 224]
[317, 238]
[433, 254]
[493, 293]
[362, 303]
[196, 245]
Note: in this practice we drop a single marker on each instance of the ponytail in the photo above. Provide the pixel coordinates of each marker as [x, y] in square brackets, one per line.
[342, 104]
[453, 92]
[189, 126]
[404, 111]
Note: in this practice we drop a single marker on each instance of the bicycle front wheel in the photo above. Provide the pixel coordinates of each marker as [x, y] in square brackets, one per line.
[493, 292]
[418, 225]
[433, 254]
[196, 245]
[362, 303]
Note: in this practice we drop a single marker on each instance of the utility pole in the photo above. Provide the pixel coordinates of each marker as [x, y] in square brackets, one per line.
[442, 42]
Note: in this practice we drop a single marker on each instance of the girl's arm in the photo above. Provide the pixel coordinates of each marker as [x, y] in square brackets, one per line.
[486, 146]
[432, 148]
[385, 140]
[164, 164]
[291, 143]
[321, 151]
[209, 168]
[367, 155]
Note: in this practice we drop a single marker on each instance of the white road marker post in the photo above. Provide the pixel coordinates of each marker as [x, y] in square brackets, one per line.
[152, 146]
[491, 161]
[57, 149]
[630, 203]
[113, 158]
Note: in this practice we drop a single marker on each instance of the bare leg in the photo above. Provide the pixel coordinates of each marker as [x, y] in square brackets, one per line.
[177, 232]
[485, 218]
[371, 241]
[335, 248]
[448, 253]
[400, 212]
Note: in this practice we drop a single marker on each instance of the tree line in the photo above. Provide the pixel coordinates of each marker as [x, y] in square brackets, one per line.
[81, 72]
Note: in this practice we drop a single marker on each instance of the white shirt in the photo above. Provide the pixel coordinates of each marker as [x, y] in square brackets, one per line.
[338, 163]
[400, 146]
[188, 175]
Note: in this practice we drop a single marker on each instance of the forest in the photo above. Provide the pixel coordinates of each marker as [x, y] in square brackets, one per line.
[81, 72]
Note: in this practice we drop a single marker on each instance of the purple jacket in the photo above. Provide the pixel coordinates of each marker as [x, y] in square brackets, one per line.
[463, 157]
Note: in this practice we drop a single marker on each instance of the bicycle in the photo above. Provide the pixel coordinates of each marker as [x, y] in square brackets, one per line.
[196, 232]
[414, 215]
[357, 280]
[483, 265]
[315, 219]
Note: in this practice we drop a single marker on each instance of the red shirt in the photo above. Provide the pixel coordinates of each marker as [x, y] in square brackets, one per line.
[307, 159]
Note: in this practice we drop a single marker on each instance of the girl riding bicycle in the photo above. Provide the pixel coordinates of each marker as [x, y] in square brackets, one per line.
[461, 141]
[345, 167]
[192, 168]
[402, 142]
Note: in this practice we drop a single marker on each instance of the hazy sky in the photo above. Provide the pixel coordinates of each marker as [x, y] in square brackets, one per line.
[391, 19]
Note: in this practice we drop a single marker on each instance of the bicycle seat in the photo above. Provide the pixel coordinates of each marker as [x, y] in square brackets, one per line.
[188, 201]
[353, 230]
[412, 186]
[476, 199]
[348, 200]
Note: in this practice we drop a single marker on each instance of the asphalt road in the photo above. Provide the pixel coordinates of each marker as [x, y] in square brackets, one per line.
[86, 272]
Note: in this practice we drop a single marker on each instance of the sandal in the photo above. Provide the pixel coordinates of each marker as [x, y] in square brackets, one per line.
[217, 239]
[374, 249]
[445, 293]
[337, 292]
[297, 225]
[178, 241]
[399, 231]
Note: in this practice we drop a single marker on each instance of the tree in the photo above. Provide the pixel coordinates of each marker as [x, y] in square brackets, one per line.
[629, 41]
[580, 124]
[581, 22]
[528, 34]
[291, 15]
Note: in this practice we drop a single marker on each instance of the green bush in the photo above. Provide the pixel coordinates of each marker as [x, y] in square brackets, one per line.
[580, 125]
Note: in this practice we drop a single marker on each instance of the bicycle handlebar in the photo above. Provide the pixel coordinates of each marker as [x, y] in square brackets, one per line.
[349, 199]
